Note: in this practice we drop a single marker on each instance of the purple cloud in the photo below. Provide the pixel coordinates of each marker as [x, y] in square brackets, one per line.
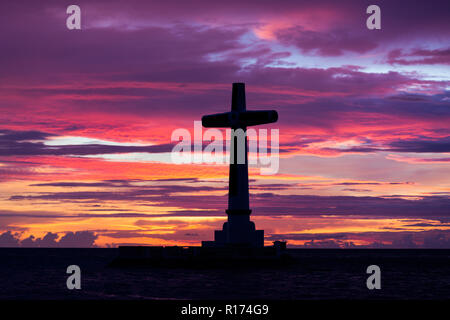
[419, 56]
[266, 204]
[19, 143]
[430, 239]
[330, 43]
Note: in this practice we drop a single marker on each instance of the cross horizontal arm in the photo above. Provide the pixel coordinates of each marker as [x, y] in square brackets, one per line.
[254, 117]
[218, 120]
[241, 119]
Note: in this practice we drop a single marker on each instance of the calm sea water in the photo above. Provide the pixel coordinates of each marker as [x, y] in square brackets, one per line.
[319, 274]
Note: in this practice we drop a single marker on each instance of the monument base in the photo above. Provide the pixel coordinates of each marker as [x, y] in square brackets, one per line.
[238, 231]
[223, 238]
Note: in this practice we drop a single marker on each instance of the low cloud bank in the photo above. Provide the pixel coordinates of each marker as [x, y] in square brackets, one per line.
[79, 239]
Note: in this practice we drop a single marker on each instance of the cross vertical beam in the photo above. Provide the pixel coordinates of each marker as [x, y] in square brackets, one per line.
[239, 230]
[238, 194]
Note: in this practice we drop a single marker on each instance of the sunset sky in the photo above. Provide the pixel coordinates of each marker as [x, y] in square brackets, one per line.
[86, 118]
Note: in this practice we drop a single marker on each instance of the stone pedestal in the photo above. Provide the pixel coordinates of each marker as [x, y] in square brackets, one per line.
[239, 231]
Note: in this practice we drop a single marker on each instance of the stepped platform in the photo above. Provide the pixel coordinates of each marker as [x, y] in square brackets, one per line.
[207, 257]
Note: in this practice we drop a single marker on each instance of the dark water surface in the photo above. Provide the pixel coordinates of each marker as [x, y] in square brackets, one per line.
[319, 274]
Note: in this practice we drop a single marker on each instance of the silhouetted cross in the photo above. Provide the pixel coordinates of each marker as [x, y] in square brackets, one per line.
[238, 118]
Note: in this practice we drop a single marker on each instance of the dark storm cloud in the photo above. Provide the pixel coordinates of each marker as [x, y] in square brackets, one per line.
[23, 143]
[368, 183]
[430, 145]
[110, 183]
[422, 224]
[111, 214]
[421, 145]
[19, 136]
[147, 193]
